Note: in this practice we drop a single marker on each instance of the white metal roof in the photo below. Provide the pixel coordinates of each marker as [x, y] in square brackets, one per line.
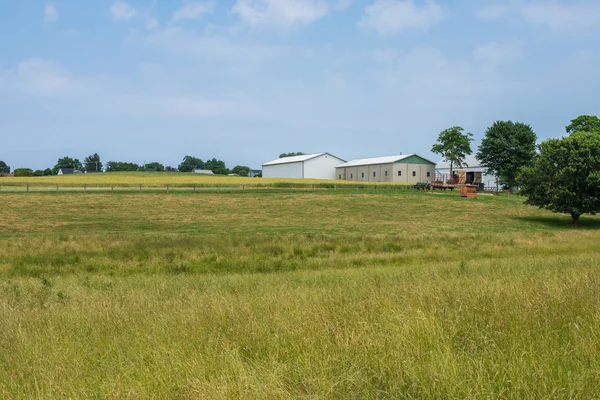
[378, 160]
[288, 160]
[470, 162]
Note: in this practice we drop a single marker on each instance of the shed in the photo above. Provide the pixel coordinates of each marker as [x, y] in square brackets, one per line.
[475, 173]
[203, 171]
[406, 168]
[308, 166]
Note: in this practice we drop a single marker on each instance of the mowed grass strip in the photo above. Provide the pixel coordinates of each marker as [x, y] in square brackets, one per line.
[304, 295]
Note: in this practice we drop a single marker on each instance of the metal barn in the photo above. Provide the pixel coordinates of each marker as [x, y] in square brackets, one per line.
[308, 166]
[407, 168]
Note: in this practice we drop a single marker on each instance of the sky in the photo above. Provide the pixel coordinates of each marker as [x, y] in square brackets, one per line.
[246, 80]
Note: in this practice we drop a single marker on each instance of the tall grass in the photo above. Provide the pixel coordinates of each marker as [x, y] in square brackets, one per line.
[318, 295]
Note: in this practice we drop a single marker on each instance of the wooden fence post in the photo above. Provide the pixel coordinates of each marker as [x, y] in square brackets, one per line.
[194, 188]
[113, 189]
[27, 188]
[140, 188]
[84, 188]
[168, 189]
[56, 188]
[243, 188]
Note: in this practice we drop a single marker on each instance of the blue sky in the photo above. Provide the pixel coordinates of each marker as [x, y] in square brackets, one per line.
[244, 80]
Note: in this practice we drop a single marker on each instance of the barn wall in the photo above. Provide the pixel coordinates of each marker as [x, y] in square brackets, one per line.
[290, 170]
[321, 167]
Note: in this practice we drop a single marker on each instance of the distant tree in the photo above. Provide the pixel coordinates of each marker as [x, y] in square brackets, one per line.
[92, 163]
[4, 169]
[67, 162]
[454, 146]
[155, 165]
[23, 172]
[565, 176]
[47, 172]
[217, 166]
[189, 164]
[584, 123]
[241, 170]
[283, 155]
[506, 148]
[38, 172]
[118, 166]
[168, 168]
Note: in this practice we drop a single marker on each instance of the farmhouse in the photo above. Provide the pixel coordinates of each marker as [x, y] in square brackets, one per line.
[474, 172]
[65, 171]
[402, 168]
[308, 166]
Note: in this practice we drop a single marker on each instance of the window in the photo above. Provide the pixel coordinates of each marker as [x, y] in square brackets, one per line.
[362, 174]
[399, 173]
[414, 173]
[385, 173]
[351, 176]
[373, 174]
[341, 176]
[428, 174]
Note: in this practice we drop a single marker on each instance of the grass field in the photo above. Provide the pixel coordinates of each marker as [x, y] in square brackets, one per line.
[320, 295]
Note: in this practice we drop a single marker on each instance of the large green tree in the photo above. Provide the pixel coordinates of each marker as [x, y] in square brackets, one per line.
[454, 145]
[584, 123]
[565, 176]
[189, 164]
[23, 172]
[119, 166]
[67, 162]
[4, 169]
[240, 170]
[506, 148]
[217, 166]
[93, 163]
[155, 165]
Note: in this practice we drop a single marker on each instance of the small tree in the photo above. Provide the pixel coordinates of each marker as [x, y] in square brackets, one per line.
[292, 154]
[506, 148]
[47, 172]
[155, 165]
[119, 166]
[565, 177]
[92, 163]
[584, 123]
[23, 172]
[4, 169]
[454, 146]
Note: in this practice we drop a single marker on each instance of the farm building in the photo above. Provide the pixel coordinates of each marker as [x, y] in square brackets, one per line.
[308, 166]
[203, 171]
[65, 171]
[474, 173]
[402, 168]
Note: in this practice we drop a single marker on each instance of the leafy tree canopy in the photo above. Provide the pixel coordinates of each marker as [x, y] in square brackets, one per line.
[454, 146]
[283, 155]
[23, 172]
[217, 166]
[4, 169]
[189, 164]
[155, 165]
[565, 177]
[241, 170]
[119, 166]
[506, 148]
[47, 172]
[67, 162]
[584, 123]
[92, 163]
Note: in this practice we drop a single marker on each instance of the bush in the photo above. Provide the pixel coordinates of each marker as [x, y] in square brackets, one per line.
[23, 172]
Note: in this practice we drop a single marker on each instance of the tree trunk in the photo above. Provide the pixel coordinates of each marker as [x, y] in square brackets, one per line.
[575, 218]
[452, 172]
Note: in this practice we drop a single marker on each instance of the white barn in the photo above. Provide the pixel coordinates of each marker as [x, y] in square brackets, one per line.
[308, 166]
[474, 171]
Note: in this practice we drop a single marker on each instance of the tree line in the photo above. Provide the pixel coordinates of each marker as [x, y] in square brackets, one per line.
[93, 163]
[561, 175]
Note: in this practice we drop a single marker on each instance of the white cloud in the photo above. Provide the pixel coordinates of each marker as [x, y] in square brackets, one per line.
[122, 11]
[280, 13]
[40, 77]
[51, 13]
[499, 53]
[392, 16]
[573, 16]
[494, 11]
[193, 10]
[182, 105]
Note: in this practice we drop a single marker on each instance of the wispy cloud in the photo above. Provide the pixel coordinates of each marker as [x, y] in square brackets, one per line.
[122, 11]
[193, 10]
[51, 13]
[392, 16]
[281, 13]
